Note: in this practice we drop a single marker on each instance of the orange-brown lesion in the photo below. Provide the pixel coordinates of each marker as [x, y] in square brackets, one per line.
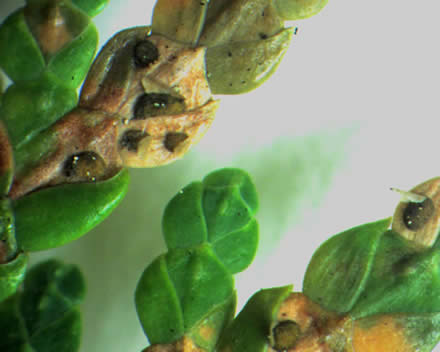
[323, 331]
[381, 334]
[185, 344]
[207, 332]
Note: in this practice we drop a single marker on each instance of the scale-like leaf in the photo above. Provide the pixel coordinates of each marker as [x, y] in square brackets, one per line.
[402, 279]
[250, 330]
[58, 215]
[220, 211]
[182, 291]
[291, 10]
[44, 316]
[339, 269]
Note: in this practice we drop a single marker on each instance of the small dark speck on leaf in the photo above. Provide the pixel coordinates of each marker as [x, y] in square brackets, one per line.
[263, 35]
[229, 54]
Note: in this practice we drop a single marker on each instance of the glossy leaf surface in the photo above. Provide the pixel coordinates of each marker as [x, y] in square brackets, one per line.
[402, 279]
[183, 221]
[17, 41]
[179, 290]
[219, 210]
[55, 216]
[30, 107]
[12, 275]
[338, 271]
[71, 63]
[44, 316]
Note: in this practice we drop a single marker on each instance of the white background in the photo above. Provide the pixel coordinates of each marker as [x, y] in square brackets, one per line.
[352, 111]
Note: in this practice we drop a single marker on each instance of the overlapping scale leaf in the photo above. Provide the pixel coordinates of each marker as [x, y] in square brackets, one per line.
[180, 21]
[71, 63]
[44, 316]
[47, 48]
[230, 203]
[48, 35]
[239, 67]
[339, 269]
[250, 330]
[183, 222]
[185, 292]
[12, 263]
[239, 21]
[58, 215]
[21, 57]
[245, 40]
[220, 211]
[402, 279]
[66, 36]
[29, 107]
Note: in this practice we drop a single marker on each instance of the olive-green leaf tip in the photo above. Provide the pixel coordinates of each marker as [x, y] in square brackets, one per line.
[232, 177]
[291, 10]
